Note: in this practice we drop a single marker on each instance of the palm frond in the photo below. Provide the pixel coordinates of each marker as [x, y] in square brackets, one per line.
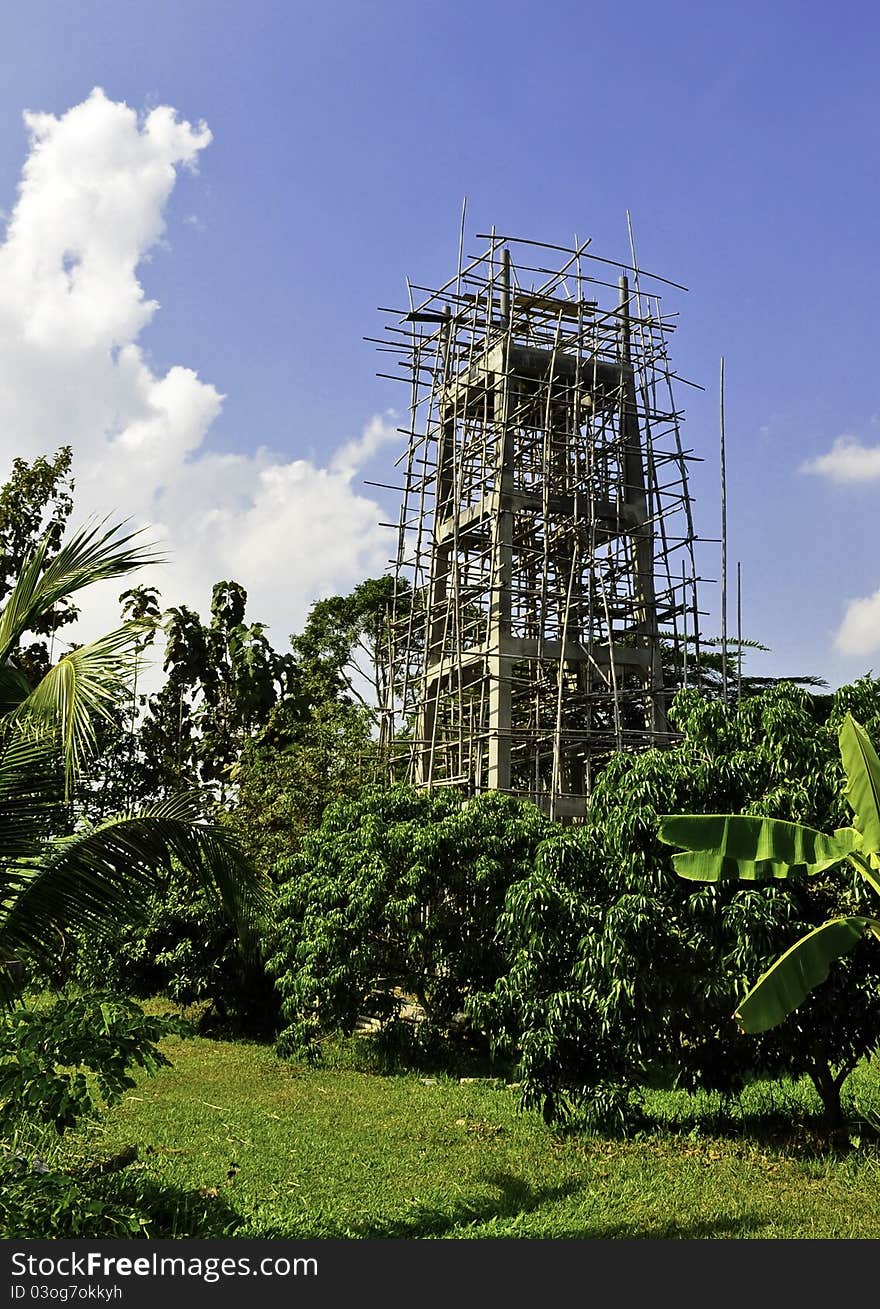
[95, 877]
[95, 552]
[30, 789]
[81, 689]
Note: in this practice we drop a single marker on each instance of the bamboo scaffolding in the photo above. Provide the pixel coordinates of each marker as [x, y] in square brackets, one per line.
[537, 625]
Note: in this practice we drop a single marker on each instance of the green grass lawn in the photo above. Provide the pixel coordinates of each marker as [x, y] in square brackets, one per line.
[232, 1140]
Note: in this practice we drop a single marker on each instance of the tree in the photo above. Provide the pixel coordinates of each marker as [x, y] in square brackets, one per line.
[304, 760]
[342, 650]
[708, 675]
[184, 946]
[233, 715]
[620, 972]
[319, 742]
[117, 774]
[52, 879]
[35, 503]
[728, 846]
[397, 895]
[224, 678]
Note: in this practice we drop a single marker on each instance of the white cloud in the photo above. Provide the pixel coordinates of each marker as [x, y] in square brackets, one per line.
[354, 454]
[859, 633]
[847, 461]
[90, 208]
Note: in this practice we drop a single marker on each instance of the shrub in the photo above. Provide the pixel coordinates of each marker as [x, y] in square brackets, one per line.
[185, 948]
[396, 897]
[46, 1054]
[621, 973]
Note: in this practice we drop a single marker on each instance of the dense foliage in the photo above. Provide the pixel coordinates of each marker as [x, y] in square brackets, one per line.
[60, 873]
[289, 773]
[184, 946]
[59, 1064]
[222, 680]
[748, 847]
[620, 972]
[271, 740]
[46, 1054]
[397, 896]
[63, 874]
[35, 505]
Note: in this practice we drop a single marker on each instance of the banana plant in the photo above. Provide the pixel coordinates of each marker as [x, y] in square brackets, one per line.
[723, 847]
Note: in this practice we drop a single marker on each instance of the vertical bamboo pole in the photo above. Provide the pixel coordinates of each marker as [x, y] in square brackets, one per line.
[723, 540]
[684, 619]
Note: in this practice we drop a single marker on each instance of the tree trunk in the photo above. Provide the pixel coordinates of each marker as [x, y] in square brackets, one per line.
[828, 1089]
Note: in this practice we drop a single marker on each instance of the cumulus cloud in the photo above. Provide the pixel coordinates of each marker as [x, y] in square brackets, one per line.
[859, 633]
[90, 208]
[354, 454]
[847, 461]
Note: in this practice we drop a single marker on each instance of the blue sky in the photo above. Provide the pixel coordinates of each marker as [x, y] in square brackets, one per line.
[743, 140]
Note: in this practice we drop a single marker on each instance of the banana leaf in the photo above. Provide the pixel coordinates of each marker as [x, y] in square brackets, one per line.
[794, 974]
[862, 780]
[731, 846]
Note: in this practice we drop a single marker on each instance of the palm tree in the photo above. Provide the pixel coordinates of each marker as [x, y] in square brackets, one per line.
[52, 883]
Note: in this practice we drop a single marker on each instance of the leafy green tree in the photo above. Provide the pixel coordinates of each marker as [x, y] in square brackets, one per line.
[277, 737]
[319, 743]
[397, 895]
[620, 972]
[59, 1064]
[225, 720]
[288, 774]
[223, 680]
[47, 1052]
[707, 676]
[54, 880]
[185, 947]
[729, 846]
[35, 504]
[118, 774]
[342, 650]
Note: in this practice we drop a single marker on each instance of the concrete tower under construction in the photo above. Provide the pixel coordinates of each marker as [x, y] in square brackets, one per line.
[546, 593]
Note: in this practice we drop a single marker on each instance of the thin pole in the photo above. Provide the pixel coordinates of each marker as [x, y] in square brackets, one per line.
[723, 541]
[684, 620]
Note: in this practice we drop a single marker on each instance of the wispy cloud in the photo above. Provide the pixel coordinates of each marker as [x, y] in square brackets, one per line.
[847, 461]
[90, 208]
